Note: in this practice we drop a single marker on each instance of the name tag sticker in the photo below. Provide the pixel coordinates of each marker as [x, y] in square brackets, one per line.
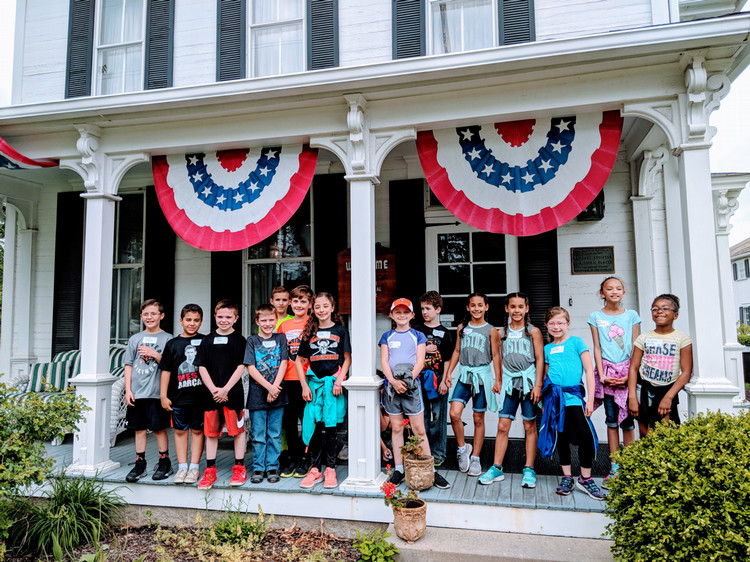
[324, 335]
[602, 323]
[394, 344]
[468, 330]
[652, 342]
[438, 333]
[221, 340]
[558, 349]
[195, 342]
[150, 340]
[514, 335]
[269, 344]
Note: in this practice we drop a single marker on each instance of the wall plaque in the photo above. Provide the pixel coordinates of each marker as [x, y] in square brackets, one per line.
[592, 259]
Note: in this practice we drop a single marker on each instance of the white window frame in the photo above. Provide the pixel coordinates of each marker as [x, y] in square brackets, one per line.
[251, 27]
[430, 47]
[99, 48]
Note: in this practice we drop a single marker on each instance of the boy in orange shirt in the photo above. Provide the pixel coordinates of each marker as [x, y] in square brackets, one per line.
[295, 463]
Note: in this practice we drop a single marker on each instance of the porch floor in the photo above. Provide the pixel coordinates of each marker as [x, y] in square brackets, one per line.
[503, 506]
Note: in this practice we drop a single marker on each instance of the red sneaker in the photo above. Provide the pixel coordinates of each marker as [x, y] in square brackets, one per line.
[209, 479]
[329, 474]
[239, 475]
[312, 477]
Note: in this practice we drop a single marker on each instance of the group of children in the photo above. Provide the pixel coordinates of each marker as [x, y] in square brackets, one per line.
[297, 364]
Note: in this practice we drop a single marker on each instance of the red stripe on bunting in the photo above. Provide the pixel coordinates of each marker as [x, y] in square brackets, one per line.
[549, 218]
[19, 158]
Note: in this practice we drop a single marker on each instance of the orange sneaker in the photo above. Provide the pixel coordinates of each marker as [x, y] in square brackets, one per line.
[312, 477]
[330, 478]
[209, 479]
[239, 475]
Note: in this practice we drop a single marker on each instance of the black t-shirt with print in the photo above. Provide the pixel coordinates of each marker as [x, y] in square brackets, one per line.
[326, 349]
[221, 355]
[185, 384]
[441, 337]
[266, 355]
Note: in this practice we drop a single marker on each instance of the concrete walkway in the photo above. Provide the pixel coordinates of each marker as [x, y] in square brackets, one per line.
[450, 545]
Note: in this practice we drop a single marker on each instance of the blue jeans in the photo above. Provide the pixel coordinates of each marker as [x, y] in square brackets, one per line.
[436, 424]
[266, 437]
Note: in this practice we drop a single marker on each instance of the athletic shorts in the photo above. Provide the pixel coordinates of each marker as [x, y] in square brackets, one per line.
[214, 420]
[462, 393]
[408, 404]
[189, 416]
[147, 414]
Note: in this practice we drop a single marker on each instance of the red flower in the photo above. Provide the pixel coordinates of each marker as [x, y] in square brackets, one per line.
[405, 422]
[388, 467]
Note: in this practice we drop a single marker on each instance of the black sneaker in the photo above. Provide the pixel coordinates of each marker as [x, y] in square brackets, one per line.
[257, 477]
[302, 469]
[441, 482]
[396, 478]
[138, 471]
[163, 469]
[272, 476]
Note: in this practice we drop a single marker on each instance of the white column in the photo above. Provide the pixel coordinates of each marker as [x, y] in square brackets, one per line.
[363, 385]
[726, 189]
[709, 388]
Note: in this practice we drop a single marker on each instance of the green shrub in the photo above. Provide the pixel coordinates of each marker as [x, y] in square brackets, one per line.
[374, 546]
[239, 528]
[78, 511]
[683, 492]
[743, 333]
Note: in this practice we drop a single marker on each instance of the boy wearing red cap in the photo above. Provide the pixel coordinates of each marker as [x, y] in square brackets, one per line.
[402, 355]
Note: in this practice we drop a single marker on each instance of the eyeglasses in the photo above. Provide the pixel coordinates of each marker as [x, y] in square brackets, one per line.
[661, 308]
[556, 324]
[150, 314]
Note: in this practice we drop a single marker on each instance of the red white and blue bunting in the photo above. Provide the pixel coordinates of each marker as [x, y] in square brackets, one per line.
[232, 199]
[521, 177]
[14, 160]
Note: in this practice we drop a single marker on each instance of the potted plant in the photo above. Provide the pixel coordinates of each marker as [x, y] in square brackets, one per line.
[409, 512]
[419, 469]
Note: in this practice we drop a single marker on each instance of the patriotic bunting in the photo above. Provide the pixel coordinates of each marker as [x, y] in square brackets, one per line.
[13, 160]
[521, 177]
[232, 199]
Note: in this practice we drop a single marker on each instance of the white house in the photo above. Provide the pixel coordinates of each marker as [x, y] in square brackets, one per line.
[389, 107]
[740, 255]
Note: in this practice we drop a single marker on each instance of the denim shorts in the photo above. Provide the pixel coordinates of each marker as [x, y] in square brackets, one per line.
[611, 413]
[510, 407]
[462, 393]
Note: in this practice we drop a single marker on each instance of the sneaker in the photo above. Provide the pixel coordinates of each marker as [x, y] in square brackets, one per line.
[590, 488]
[179, 478]
[257, 477]
[301, 470]
[464, 458]
[192, 475]
[611, 476]
[344, 453]
[330, 478]
[566, 486]
[137, 472]
[396, 478]
[494, 474]
[209, 478]
[312, 477]
[529, 478]
[163, 469]
[439, 462]
[441, 482]
[272, 476]
[239, 475]
[287, 470]
[475, 467]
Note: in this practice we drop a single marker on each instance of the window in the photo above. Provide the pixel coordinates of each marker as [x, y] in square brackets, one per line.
[277, 34]
[285, 258]
[120, 46]
[461, 25]
[741, 270]
[127, 278]
[745, 315]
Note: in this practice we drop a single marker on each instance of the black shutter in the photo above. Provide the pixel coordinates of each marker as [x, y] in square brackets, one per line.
[323, 34]
[230, 40]
[159, 26]
[516, 21]
[329, 200]
[408, 237]
[734, 270]
[408, 29]
[158, 264]
[80, 47]
[226, 283]
[66, 308]
[538, 277]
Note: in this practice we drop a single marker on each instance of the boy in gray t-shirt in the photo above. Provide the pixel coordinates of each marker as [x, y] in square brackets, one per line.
[142, 381]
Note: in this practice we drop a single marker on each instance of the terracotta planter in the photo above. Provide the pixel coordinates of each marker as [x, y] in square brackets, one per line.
[410, 522]
[420, 473]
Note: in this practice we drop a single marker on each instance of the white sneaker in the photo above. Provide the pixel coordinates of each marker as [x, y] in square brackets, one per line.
[344, 453]
[475, 467]
[463, 458]
[179, 478]
[192, 476]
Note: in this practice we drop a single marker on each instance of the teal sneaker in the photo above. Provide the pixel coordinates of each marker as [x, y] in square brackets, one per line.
[494, 474]
[529, 478]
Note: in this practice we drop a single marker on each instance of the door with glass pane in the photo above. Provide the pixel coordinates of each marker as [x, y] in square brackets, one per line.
[127, 278]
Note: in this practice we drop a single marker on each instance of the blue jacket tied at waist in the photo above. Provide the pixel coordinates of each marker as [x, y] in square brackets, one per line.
[553, 417]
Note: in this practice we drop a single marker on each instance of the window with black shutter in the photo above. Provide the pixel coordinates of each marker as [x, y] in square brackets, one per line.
[408, 29]
[230, 41]
[80, 45]
[160, 23]
[322, 36]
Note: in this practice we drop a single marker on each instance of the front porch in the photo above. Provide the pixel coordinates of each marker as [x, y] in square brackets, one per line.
[503, 506]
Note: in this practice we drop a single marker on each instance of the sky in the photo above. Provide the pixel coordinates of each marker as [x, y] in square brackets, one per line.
[730, 151]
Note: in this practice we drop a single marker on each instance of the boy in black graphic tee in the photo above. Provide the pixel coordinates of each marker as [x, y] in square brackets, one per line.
[184, 394]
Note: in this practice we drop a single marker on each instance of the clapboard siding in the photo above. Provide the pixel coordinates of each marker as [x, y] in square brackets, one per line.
[44, 55]
[364, 32]
[192, 272]
[194, 42]
[555, 19]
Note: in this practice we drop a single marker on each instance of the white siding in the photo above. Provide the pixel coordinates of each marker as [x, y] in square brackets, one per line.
[555, 19]
[194, 42]
[364, 32]
[43, 275]
[192, 279]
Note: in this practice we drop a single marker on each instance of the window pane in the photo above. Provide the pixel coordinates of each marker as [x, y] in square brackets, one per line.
[291, 241]
[126, 303]
[130, 230]
[477, 25]
[269, 11]
[263, 278]
[277, 50]
[453, 248]
[487, 246]
[120, 69]
[455, 306]
[446, 31]
[133, 28]
[296, 273]
[454, 279]
[462, 25]
[489, 278]
[111, 22]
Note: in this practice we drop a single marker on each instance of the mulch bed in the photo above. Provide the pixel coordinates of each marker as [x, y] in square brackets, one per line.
[130, 543]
